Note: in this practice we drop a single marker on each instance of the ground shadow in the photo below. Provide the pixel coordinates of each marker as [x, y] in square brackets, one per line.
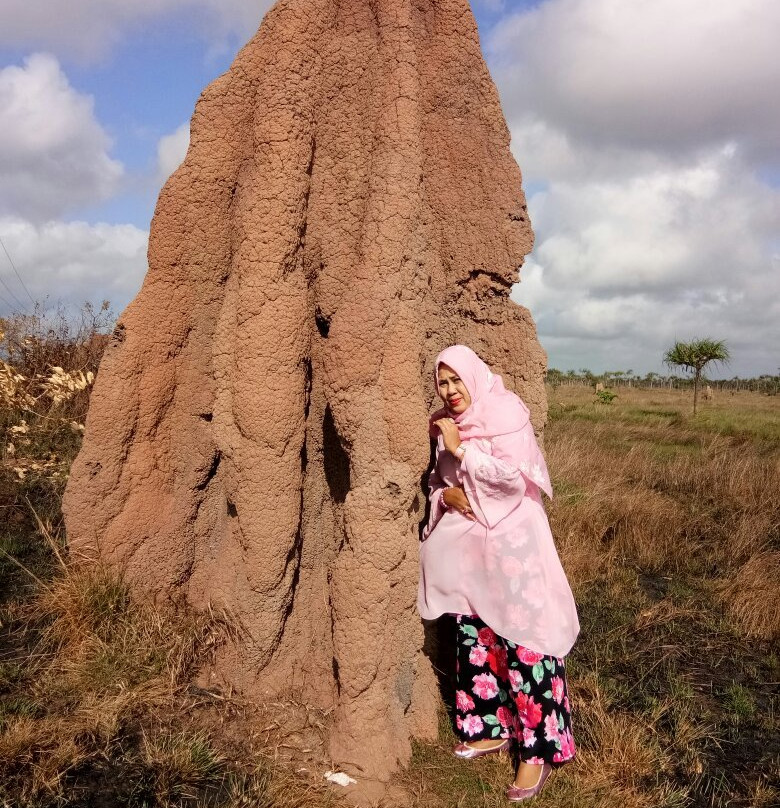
[439, 647]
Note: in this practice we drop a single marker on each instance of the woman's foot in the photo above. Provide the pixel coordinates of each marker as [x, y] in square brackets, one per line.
[529, 781]
[528, 774]
[474, 749]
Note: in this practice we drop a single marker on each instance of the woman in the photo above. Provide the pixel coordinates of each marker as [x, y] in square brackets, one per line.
[488, 557]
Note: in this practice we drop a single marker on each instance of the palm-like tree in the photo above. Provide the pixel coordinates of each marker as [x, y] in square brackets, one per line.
[694, 356]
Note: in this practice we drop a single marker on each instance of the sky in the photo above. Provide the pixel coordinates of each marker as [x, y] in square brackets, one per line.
[648, 134]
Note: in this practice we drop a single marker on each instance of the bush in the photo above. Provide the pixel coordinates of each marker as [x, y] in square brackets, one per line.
[605, 396]
[48, 364]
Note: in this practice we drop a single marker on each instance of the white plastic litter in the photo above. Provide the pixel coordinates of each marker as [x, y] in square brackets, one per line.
[339, 778]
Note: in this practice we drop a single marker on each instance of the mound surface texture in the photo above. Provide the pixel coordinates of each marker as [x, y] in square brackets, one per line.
[257, 437]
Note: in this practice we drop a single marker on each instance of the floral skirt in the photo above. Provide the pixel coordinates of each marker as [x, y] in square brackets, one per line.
[507, 691]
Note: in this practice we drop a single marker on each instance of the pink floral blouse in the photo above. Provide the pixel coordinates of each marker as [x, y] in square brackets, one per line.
[504, 567]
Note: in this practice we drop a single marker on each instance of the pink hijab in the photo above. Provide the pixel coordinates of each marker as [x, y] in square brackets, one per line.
[494, 410]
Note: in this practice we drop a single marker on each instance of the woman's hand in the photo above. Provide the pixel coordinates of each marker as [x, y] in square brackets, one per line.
[449, 431]
[456, 498]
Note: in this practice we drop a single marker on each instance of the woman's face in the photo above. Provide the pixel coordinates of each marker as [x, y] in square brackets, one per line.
[452, 390]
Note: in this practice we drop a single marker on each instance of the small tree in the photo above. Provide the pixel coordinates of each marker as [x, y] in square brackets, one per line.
[554, 378]
[694, 356]
[605, 396]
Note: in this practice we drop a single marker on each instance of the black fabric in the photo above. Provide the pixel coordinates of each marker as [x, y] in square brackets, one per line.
[507, 691]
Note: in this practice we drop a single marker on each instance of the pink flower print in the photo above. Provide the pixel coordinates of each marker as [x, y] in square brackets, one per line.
[515, 679]
[568, 749]
[536, 761]
[512, 567]
[478, 655]
[458, 722]
[527, 656]
[557, 688]
[529, 737]
[485, 686]
[496, 658]
[566, 704]
[505, 717]
[529, 712]
[534, 593]
[486, 636]
[472, 724]
[463, 701]
[516, 615]
[517, 539]
[551, 731]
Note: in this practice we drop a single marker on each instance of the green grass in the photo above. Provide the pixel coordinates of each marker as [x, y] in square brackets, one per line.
[568, 491]
[739, 701]
[762, 425]
[743, 415]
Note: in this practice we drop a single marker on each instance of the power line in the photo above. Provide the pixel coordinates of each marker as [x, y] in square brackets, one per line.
[10, 305]
[10, 292]
[11, 262]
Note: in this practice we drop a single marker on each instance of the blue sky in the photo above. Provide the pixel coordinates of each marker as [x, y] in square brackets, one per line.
[146, 86]
[650, 159]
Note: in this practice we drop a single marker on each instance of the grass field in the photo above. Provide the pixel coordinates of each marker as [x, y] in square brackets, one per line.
[667, 527]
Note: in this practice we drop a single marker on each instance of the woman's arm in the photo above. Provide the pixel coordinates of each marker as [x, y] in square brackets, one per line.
[494, 483]
[436, 488]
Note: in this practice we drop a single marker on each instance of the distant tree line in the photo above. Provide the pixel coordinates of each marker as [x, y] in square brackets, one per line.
[770, 385]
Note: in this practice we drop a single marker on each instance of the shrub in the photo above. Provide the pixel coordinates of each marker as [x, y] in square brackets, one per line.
[605, 396]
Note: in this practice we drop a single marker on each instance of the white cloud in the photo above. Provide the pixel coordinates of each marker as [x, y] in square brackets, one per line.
[171, 151]
[643, 130]
[89, 29]
[664, 231]
[621, 267]
[667, 75]
[53, 151]
[73, 262]
[548, 154]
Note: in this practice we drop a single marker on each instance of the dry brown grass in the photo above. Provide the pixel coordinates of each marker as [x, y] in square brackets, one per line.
[621, 763]
[659, 520]
[668, 529]
[98, 705]
[95, 662]
[619, 754]
[751, 596]
[104, 705]
[704, 503]
[34, 343]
